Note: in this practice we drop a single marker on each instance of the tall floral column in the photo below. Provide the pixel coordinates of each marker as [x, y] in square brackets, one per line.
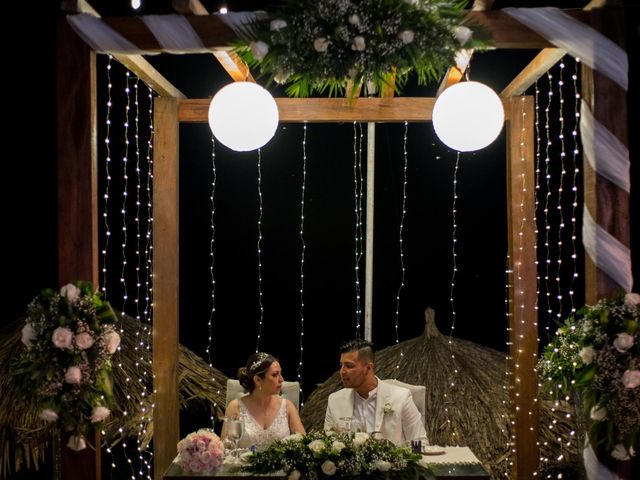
[596, 354]
[69, 338]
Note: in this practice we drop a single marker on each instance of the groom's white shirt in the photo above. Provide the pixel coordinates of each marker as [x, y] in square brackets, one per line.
[402, 421]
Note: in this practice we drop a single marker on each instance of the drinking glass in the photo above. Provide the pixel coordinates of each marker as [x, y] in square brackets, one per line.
[345, 423]
[357, 426]
[235, 429]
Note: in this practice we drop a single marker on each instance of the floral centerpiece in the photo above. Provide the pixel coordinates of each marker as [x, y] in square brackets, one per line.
[69, 337]
[318, 45]
[596, 354]
[201, 451]
[324, 454]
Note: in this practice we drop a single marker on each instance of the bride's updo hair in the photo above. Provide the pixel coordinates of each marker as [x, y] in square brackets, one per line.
[257, 364]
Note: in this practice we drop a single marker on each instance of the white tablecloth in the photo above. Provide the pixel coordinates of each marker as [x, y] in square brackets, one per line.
[451, 455]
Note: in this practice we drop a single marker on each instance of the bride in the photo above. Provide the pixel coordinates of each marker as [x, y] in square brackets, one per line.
[266, 416]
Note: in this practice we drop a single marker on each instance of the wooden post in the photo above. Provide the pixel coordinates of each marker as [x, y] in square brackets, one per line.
[77, 155]
[165, 293]
[368, 284]
[607, 203]
[523, 324]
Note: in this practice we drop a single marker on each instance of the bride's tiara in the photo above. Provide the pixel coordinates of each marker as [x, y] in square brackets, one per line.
[261, 358]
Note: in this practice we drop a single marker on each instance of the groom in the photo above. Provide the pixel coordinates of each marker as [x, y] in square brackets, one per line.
[379, 406]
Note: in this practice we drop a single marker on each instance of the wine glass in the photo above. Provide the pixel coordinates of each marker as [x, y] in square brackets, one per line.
[235, 429]
[345, 425]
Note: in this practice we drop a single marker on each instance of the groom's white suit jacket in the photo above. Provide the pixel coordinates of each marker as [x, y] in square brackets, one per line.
[401, 422]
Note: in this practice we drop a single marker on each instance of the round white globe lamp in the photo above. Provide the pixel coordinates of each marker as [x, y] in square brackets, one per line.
[243, 116]
[468, 116]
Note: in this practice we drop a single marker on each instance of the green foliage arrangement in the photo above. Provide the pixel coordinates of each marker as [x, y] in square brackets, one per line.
[596, 354]
[314, 46]
[69, 337]
[342, 455]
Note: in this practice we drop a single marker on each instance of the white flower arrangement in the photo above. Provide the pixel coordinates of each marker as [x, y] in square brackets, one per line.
[325, 454]
[69, 338]
[596, 353]
[318, 45]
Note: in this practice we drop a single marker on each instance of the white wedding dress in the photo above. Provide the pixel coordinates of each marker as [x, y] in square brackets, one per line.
[254, 434]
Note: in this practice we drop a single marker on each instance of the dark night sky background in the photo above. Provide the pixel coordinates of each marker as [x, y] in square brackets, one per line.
[329, 278]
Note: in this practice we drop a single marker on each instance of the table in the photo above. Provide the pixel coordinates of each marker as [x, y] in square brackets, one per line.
[457, 463]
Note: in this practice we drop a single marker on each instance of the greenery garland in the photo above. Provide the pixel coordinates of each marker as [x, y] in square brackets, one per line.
[317, 46]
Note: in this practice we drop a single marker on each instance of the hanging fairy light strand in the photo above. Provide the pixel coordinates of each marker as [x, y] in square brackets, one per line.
[138, 201]
[125, 195]
[401, 240]
[559, 205]
[449, 390]
[358, 240]
[261, 306]
[507, 358]
[107, 175]
[302, 253]
[574, 182]
[547, 170]
[212, 311]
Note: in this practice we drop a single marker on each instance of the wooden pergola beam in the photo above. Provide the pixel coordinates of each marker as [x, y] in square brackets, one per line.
[332, 110]
[214, 34]
[546, 59]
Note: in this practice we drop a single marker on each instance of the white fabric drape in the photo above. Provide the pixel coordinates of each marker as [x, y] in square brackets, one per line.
[606, 154]
[593, 468]
[606, 251]
[99, 36]
[580, 40]
[174, 33]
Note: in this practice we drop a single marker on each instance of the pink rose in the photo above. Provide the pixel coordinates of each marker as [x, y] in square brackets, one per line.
[84, 340]
[99, 414]
[48, 415]
[112, 341]
[623, 342]
[70, 292]
[77, 443]
[28, 334]
[631, 378]
[62, 337]
[73, 375]
[632, 299]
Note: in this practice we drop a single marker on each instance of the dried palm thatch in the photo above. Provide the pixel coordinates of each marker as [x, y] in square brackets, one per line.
[467, 402]
[24, 437]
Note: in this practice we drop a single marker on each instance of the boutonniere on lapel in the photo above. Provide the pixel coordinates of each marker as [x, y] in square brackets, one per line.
[387, 408]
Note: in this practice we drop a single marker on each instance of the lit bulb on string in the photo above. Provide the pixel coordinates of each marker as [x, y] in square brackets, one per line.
[468, 116]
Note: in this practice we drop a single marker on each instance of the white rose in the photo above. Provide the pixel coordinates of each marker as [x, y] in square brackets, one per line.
[360, 438]
[84, 340]
[99, 413]
[295, 475]
[354, 19]
[280, 77]
[321, 44]
[406, 36]
[411, 2]
[316, 446]
[77, 443]
[358, 43]
[294, 437]
[631, 378]
[463, 34]
[620, 453]
[28, 334]
[48, 415]
[259, 49]
[624, 342]
[277, 25]
[632, 299]
[112, 341]
[328, 468]
[62, 337]
[70, 292]
[337, 446]
[383, 465]
[73, 375]
[598, 413]
[587, 354]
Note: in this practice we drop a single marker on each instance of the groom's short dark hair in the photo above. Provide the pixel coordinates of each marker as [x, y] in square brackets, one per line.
[366, 350]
